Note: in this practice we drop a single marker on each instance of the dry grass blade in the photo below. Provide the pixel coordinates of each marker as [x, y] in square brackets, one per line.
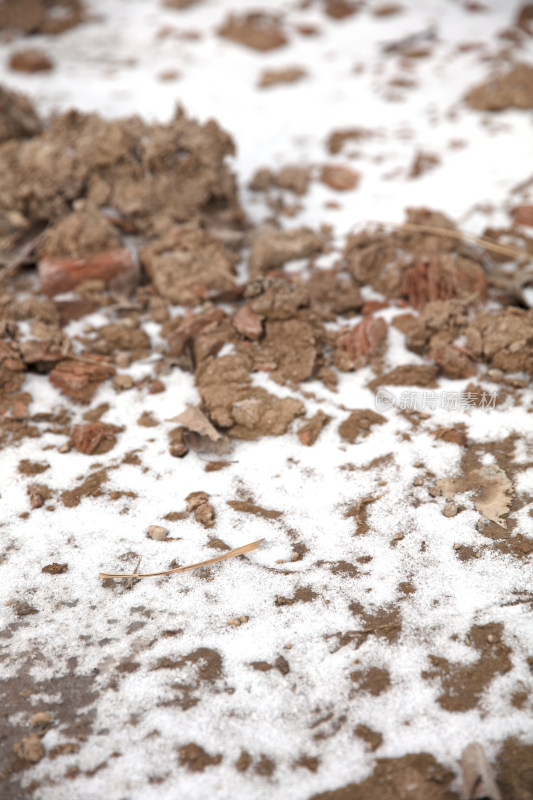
[503, 249]
[240, 551]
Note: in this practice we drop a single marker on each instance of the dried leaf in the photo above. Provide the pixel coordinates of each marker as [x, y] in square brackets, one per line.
[494, 491]
[201, 435]
[478, 778]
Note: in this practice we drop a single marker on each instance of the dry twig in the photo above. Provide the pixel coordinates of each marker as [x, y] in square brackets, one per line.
[411, 227]
[240, 551]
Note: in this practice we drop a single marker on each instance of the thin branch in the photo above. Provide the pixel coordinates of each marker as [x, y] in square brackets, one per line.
[240, 551]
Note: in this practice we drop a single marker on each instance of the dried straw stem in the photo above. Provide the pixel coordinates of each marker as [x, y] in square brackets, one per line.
[240, 551]
[503, 249]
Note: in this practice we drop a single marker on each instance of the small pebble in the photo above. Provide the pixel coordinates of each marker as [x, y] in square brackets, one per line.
[41, 719]
[456, 546]
[65, 448]
[123, 382]
[157, 532]
[418, 481]
[123, 360]
[450, 510]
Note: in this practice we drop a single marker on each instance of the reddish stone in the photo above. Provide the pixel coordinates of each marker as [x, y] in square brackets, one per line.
[247, 323]
[364, 339]
[190, 327]
[63, 275]
[523, 215]
[79, 379]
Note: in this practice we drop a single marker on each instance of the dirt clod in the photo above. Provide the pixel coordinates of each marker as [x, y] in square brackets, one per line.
[94, 438]
[257, 30]
[196, 759]
[359, 423]
[514, 89]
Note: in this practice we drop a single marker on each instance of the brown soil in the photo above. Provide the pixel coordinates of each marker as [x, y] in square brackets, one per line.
[340, 9]
[250, 508]
[514, 770]
[41, 16]
[272, 249]
[343, 179]
[514, 89]
[463, 685]
[257, 30]
[310, 431]
[94, 438]
[195, 758]
[372, 739]
[187, 265]
[338, 138]
[359, 423]
[30, 60]
[415, 266]
[504, 339]
[275, 77]
[375, 681]
[412, 777]
[90, 487]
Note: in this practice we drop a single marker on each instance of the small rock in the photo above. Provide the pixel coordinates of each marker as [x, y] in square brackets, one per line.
[343, 179]
[178, 450]
[156, 387]
[157, 532]
[55, 569]
[41, 720]
[123, 360]
[450, 510]
[29, 750]
[235, 623]
[195, 499]
[205, 515]
[36, 500]
[123, 382]
[30, 60]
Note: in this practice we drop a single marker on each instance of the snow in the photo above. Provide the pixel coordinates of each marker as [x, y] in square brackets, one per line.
[246, 709]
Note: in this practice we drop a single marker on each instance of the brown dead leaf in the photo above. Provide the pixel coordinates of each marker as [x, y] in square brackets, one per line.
[494, 491]
[200, 434]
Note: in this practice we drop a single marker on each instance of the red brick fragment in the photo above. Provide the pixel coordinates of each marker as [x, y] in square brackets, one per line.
[79, 379]
[63, 275]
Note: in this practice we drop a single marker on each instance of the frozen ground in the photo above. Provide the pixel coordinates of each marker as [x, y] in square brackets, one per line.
[132, 674]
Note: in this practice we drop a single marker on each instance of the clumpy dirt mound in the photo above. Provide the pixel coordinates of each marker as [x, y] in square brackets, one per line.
[40, 16]
[18, 119]
[413, 777]
[503, 338]
[415, 265]
[438, 325]
[244, 411]
[272, 249]
[186, 264]
[195, 758]
[512, 90]
[359, 423]
[152, 176]
[463, 685]
[84, 232]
